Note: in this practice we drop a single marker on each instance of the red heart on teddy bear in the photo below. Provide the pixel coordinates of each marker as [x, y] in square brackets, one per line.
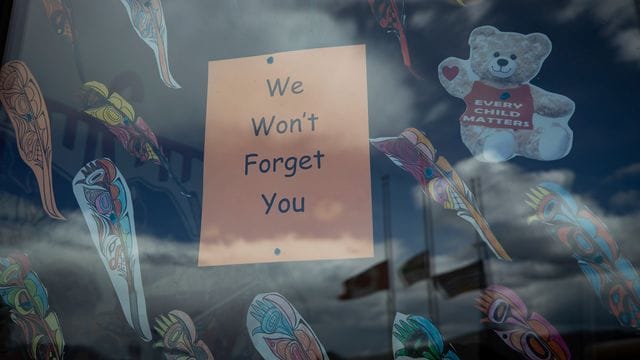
[450, 72]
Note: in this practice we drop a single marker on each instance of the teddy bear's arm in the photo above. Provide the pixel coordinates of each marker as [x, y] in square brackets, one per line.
[454, 77]
[550, 104]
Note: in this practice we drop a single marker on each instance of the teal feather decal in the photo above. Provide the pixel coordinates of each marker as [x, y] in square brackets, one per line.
[22, 290]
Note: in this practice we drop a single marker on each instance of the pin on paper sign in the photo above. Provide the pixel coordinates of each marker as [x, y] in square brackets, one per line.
[286, 164]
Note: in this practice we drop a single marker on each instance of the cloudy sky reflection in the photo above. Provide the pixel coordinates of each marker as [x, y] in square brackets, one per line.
[595, 61]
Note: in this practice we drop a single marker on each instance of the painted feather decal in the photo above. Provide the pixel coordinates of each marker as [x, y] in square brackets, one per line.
[61, 18]
[104, 199]
[415, 337]
[120, 118]
[147, 18]
[391, 17]
[179, 341]
[26, 296]
[413, 152]
[132, 131]
[531, 335]
[23, 101]
[613, 278]
[59, 14]
[278, 331]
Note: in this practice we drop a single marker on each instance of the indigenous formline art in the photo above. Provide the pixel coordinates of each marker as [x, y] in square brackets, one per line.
[179, 339]
[22, 290]
[416, 337]
[23, 101]
[414, 153]
[530, 334]
[147, 18]
[85, 138]
[612, 276]
[105, 201]
[60, 14]
[391, 17]
[132, 131]
[278, 332]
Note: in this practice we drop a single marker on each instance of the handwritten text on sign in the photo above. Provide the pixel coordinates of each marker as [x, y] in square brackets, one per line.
[286, 172]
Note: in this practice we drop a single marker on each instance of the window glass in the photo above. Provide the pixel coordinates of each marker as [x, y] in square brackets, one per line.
[471, 186]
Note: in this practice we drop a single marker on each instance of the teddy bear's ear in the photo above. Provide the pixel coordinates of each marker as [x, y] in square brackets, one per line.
[540, 44]
[480, 34]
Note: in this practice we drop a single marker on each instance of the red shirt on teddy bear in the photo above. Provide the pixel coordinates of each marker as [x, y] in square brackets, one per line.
[499, 108]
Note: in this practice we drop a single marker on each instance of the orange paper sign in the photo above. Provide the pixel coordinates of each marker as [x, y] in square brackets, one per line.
[286, 165]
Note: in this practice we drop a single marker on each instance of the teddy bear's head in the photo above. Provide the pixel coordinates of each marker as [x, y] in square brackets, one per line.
[507, 58]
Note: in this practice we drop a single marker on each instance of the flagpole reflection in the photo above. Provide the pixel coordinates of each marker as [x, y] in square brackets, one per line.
[429, 265]
[388, 250]
[476, 187]
[482, 253]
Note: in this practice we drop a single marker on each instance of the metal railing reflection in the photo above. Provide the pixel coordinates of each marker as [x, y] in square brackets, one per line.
[78, 138]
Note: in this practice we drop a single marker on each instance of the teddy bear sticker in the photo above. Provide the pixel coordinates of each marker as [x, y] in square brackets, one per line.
[506, 116]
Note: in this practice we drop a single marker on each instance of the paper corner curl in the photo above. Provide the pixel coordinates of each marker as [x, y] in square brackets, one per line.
[506, 116]
[105, 201]
[23, 101]
[279, 332]
[414, 153]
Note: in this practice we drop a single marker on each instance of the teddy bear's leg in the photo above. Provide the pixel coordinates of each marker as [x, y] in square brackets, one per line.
[554, 143]
[499, 146]
[550, 142]
[488, 144]
[472, 138]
